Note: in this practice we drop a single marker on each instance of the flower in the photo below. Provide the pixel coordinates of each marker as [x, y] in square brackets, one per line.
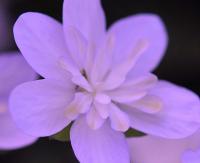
[13, 71]
[101, 81]
[152, 149]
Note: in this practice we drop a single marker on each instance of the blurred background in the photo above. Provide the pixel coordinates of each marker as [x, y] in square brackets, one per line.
[181, 64]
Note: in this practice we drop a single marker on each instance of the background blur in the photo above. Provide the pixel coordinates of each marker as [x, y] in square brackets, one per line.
[181, 64]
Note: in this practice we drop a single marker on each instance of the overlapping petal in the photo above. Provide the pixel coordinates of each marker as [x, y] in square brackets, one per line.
[13, 71]
[151, 149]
[130, 30]
[41, 41]
[12, 137]
[98, 146]
[179, 117]
[38, 107]
[87, 16]
[191, 156]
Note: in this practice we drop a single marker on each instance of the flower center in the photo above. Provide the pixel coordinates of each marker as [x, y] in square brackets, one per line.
[101, 85]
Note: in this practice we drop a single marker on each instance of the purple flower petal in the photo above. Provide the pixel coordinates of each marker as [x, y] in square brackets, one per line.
[191, 156]
[151, 149]
[13, 71]
[41, 41]
[179, 117]
[129, 31]
[87, 16]
[38, 107]
[10, 136]
[77, 45]
[98, 146]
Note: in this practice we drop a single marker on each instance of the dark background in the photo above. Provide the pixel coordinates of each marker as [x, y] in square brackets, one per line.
[181, 64]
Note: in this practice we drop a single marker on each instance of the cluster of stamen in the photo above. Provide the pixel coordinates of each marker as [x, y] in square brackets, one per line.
[100, 87]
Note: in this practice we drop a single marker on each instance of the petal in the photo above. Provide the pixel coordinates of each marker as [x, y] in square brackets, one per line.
[124, 96]
[41, 41]
[38, 107]
[130, 30]
[151, 149]
[102, 109]
[13, 71]
[191, 156]
[89, 19]
[77, 45]
[81, 104]
[98, 146]
[119, 120]
[104, 56]
[102, 98]
[179, 117]
[82, 82]
[149, 104]
[133, 89]
[119, 72]
[94, 120]
[10, 136]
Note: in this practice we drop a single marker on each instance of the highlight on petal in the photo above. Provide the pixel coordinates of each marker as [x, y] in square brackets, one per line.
[178, 118]
[41, 41]
[88, 146]
[87, 16]
[13, 71]
[151, 149]
[38, 107]
[140, 27]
